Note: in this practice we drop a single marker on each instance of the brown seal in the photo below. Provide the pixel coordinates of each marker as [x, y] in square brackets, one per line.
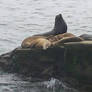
[59, 37]
[64, 38]
[86, 36]
[36, 42]
[69, 39]
[45, 42]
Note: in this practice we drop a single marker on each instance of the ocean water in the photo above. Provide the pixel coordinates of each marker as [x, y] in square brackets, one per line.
[22, 18]
[15, 83]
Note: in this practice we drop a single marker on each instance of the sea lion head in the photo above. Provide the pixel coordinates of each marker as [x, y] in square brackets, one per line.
[60, 26]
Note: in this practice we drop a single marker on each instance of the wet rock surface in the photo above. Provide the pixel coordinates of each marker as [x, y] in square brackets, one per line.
[37, 62]
[34, 62]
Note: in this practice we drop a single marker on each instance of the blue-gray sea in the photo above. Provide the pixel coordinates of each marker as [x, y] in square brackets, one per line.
[22, 18]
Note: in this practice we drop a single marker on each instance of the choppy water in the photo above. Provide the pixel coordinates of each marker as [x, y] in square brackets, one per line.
[22, 18]
[15, 83]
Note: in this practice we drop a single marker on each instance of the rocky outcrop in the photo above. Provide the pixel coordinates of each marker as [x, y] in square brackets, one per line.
[37, 62]
[78, 64]
[71, 61]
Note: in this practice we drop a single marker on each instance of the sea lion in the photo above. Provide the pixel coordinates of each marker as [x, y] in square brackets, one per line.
[63, 38]
[59, 37]
[60, 27]
[36, 42]
[86, 36]
[45, 42]
[68, 39]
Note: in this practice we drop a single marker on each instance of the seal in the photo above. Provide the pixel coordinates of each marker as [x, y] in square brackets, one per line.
[59, 37]
[69, 39]
[60, 27]
[45, 42]
[86, 36]
[36, 42]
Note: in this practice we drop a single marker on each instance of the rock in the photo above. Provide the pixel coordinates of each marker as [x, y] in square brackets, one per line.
[71, 61]
[78, 64]
[5, 60]
[37, 62]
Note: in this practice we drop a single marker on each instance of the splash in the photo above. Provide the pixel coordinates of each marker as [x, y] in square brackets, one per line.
[57, 86]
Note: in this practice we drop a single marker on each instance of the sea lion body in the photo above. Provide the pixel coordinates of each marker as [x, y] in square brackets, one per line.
[64, 38]
[59, 37]
[45, 42]
[60, 27]
[86, 36]
[70, 39]
[36, 42]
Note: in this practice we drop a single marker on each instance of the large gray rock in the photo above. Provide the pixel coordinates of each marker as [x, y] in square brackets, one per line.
[71, 61]
[78, 64]
[38, 62]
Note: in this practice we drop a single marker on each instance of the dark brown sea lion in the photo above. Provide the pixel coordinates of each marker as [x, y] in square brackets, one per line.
[86, 36]
[67, 39]
[60, 27]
